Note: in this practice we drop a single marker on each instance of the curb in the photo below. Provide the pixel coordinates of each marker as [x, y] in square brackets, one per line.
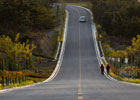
[57, 68]
[58, 49]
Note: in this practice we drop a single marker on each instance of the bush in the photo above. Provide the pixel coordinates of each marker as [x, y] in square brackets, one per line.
[0, 87]
[22, 84]
[16, 59]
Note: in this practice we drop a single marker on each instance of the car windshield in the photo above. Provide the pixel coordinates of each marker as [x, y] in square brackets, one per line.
[82, 17]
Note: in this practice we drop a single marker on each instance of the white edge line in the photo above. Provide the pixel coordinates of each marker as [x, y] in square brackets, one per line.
[57, 68]
[94, 30]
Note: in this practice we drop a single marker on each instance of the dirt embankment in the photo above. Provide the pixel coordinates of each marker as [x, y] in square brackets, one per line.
[119, 43]
[44, 47]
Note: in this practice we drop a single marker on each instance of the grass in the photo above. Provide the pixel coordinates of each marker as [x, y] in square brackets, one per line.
[132, 80]
[115, 76]
[31, 80]
[35, 80]
[83, 4]
[0, 87]
[28, 82]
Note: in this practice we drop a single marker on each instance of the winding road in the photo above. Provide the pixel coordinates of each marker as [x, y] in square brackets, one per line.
[79, 77]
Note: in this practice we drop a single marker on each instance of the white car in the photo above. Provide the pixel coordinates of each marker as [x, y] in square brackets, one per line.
[82, 19]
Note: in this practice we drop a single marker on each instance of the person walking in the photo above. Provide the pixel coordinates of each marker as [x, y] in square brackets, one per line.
[102, 69]
[108, 68]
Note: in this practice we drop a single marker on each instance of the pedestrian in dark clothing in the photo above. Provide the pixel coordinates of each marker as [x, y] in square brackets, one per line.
[108, 68]
[102, 69]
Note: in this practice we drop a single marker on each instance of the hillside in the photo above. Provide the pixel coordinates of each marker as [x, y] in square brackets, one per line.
[118, 19]
[33, 19]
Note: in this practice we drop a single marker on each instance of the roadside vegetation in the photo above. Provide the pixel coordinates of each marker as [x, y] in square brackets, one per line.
[27, 57]
[15, 60]
[118, 24]
[119, 19]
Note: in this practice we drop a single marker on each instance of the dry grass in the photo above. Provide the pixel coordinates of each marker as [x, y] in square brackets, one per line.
[132, 80]
[83, 4]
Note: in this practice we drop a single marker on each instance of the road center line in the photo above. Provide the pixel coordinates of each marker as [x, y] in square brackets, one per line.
[80, 66]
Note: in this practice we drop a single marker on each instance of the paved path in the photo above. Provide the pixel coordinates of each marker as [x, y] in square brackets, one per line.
[79, 76]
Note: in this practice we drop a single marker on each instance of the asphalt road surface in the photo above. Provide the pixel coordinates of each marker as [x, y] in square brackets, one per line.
[79, 77]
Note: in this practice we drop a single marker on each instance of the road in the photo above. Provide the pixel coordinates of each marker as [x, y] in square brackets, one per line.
[79, 77]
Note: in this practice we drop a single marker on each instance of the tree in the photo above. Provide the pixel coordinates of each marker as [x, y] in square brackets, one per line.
[117, 17]
[15, 59]
[24, 16]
